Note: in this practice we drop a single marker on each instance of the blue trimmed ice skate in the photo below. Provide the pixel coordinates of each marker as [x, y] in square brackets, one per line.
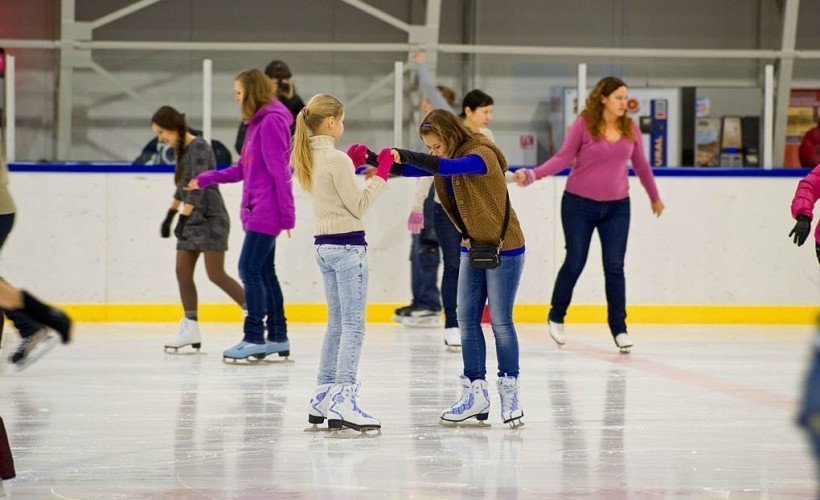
[245, 351]
[319, 403]
[280, 348]
[511, 410]
[473, 403]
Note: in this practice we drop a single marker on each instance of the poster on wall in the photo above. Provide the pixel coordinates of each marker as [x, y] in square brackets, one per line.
[804, 111]
[657, 113]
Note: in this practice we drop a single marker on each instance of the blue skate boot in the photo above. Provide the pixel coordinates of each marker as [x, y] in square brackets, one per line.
[280, 348]
[473, 403]
[244, 350]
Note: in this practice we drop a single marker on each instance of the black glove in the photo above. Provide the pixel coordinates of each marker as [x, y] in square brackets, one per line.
[372, 159]
[180, 226]
[801, 230]
[165, 229]
[428, 163]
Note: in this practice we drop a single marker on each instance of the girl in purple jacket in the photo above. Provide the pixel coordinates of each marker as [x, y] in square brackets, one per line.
[267, 209]
[808, 191]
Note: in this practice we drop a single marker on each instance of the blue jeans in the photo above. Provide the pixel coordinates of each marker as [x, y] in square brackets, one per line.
[344, 272]
[449, 240]
[580, 217]
[498, 287]
[263, 294]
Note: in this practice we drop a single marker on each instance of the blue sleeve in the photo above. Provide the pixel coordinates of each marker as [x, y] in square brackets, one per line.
[468, 165]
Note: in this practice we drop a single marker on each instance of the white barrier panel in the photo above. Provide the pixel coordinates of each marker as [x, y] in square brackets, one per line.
[91, 238]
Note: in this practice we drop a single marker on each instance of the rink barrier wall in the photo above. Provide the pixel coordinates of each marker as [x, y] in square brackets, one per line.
[87, 236]
[522, 313]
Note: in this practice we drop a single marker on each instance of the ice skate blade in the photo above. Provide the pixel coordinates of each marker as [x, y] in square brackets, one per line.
[169, 349]
[349, 433]
[250, 360]
[422, 323]
[452, 348]
[315, 428]
[515, 423]
[625, 350]
[465, 424]
[39, 351]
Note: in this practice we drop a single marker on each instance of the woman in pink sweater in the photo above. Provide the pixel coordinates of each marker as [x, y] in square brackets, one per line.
[601, 141]
[808, 191]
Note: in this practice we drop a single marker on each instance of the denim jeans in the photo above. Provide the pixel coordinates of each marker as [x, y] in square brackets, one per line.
[449, 240]
[498, 287]
[263, 294]
[344, 272]
[580, 217]
[25, 325]
[424, 260]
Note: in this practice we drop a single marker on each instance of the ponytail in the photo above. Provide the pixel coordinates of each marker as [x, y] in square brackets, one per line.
[319, 108]
[302, 157]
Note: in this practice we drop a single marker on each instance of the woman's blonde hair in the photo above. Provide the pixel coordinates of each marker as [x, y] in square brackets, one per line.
[257, 91]
[318, 109]
[448, 127]
[593, 112]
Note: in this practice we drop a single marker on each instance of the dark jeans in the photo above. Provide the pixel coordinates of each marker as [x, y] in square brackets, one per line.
[22, 322]
[580, 217]
[263, 294]
[424, 259]
[449, 240]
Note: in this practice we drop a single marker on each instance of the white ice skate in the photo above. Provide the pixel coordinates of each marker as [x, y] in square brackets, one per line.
[452, 339]
[319, 403]
[344, 412]
[188, 335]
[473, 403]
[32, 348]
[557, 332]
[422, 318]
[511, 410]
[623, 342]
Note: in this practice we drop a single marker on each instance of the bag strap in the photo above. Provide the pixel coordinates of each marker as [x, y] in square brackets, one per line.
[503, 226]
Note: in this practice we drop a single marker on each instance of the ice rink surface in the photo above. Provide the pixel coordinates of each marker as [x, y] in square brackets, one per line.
[692, 412]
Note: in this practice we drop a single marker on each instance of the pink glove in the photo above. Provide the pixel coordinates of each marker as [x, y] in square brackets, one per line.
[530, 177]
[357, 153]
[415, 223]
[385, 159]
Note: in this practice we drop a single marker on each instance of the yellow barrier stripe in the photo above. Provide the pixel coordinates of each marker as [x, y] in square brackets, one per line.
[524, 313]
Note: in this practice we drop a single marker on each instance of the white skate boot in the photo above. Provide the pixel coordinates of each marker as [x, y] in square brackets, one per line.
[30, 349]
[623, 342]
[557, 332]
[511, 411]
[188, 335]
[319, 403]
[474, 402]
[344, 412]
[452, 339]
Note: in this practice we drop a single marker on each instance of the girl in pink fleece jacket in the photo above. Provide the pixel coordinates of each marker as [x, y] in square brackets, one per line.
[808, 191]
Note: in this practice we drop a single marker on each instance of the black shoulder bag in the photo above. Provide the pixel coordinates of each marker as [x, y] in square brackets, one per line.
[487, 256]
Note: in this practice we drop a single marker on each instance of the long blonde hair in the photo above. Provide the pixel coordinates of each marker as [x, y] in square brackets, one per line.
[318, 109]
[593, 112]
[257, 91]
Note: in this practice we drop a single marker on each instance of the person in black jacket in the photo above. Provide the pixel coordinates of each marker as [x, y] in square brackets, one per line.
[285, 91]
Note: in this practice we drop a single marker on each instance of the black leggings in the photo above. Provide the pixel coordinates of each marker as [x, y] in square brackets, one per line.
[22, 322]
